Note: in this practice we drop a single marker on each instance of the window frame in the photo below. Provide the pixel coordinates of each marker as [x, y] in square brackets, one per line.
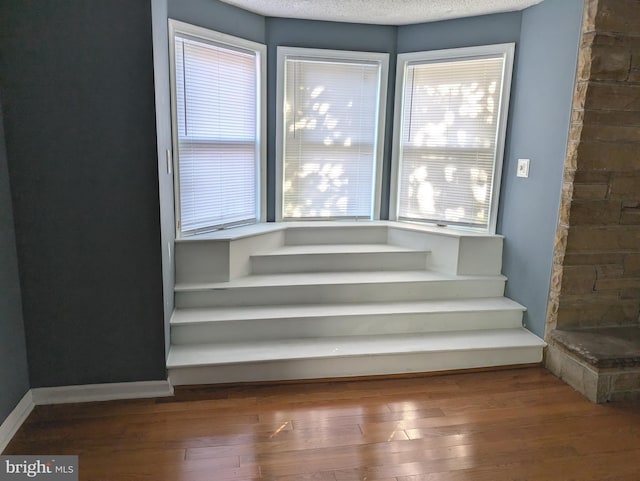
[328, 55]
[233, 43]
[403, 61]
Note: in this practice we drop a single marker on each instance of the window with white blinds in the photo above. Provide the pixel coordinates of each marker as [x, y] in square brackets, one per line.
[331, 119]
[217, 112]
[451, 134]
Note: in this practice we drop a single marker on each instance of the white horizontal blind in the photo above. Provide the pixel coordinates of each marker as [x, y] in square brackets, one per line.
[216, 111]
[330, 137]
[448, 146]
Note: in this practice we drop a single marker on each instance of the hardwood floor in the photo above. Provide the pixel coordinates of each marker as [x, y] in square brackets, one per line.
[521, 424]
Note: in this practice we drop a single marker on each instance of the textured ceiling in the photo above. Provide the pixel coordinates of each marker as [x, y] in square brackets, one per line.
[384, 12]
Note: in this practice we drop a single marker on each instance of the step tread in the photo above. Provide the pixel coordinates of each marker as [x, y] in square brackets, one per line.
[188, 316]
[320, 249]
[193, 355]
[332, 278]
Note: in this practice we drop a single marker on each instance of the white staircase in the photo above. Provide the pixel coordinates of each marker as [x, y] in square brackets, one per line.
[325, 299]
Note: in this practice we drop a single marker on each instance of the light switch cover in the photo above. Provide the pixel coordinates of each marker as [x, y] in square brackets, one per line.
[523, 168]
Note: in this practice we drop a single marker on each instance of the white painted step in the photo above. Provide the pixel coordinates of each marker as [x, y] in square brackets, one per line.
[337, 287]
[338, 257]
[230, 324]
[351, 356]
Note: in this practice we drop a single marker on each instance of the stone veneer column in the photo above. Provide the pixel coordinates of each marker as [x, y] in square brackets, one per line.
[596, 272]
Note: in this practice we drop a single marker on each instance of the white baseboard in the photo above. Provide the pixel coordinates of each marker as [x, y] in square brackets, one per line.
[101, 392]
[15, 419]
[77, 394]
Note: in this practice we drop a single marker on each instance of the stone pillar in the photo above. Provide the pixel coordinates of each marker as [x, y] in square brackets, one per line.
[596, 272]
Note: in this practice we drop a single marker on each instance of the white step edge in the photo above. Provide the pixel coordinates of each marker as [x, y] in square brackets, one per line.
[335, 249]
[330, 278]
[234, 233]
[294, 349]
[230, 314]
[319, 320]
[411, 286]
[267, 227]
[15, 419]
[327, 278]
[309, 359]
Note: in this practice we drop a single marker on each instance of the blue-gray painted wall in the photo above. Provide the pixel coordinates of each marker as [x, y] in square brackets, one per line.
[539, 126]
[220, 17]
[14, 374]
[77, 84]
[463, 32]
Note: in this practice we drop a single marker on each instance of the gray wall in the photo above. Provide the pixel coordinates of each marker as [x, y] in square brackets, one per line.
[220, 17]
[329, 35]
[14, 374]
[541, 109]
[464, 32]
[77, 79]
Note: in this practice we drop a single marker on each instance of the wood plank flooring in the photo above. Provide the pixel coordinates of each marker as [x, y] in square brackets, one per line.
[521, 424]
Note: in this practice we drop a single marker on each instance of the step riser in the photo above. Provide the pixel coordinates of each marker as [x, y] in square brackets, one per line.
[368, 365]
[336, 294]
[364, 234]
[355, 325]
[339, 262]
